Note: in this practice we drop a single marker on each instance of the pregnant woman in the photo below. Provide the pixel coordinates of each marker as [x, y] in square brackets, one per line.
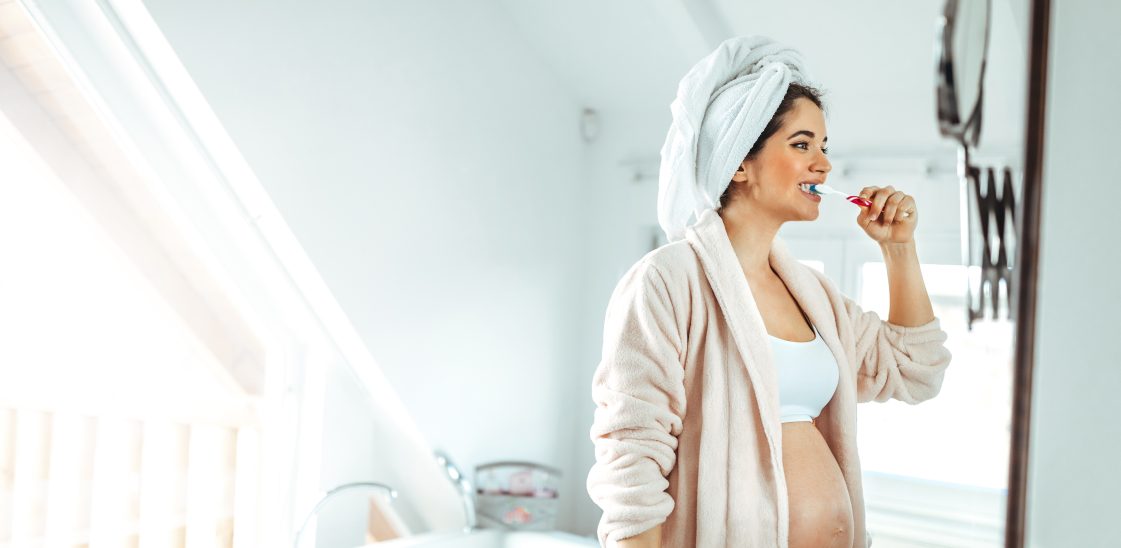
[727, 390]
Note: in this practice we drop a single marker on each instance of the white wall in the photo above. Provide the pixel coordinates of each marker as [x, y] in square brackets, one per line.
[1076, 440]
[432, 170]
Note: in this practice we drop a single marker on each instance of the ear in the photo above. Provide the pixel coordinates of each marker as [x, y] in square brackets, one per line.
[741, 174]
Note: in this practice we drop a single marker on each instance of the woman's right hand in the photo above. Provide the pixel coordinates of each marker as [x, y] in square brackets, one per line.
[647, 539]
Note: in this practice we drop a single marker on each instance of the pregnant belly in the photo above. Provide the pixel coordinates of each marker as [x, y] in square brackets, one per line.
[820, 510]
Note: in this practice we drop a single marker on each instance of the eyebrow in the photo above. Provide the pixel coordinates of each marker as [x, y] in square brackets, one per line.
[806, 132]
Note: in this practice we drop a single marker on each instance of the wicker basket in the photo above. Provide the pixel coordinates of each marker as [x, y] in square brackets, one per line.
[516, 495]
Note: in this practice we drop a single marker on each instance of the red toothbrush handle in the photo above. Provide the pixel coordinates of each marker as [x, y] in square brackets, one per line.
[860, 201]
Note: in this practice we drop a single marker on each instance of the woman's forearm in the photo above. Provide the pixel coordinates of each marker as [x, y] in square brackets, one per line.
[910, 302]
[648, 539]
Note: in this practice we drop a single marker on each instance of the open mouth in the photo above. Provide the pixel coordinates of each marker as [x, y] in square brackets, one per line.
[804, 188]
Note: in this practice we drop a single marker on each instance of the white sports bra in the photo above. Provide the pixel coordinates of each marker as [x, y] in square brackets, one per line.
[807, 377]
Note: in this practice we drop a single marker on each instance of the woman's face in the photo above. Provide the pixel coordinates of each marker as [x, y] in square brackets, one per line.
[795, 154]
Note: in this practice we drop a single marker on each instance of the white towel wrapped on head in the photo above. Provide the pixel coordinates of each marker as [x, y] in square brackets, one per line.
[723, 104]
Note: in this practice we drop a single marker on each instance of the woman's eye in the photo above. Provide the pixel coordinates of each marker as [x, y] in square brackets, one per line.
[824, 150]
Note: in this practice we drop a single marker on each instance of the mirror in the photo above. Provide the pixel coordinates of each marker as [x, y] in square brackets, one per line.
[961, 45]
[988, 196]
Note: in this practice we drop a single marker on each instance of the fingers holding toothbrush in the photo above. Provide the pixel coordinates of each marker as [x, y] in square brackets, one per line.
[892, 217]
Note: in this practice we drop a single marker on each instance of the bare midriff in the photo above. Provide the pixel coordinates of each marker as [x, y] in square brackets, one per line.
[820, 509]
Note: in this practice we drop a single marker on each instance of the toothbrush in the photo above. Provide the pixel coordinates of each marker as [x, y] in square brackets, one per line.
[826, 189]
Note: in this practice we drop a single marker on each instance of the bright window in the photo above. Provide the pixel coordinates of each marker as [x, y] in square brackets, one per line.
[973, 409]
[83, 330]
[816, 265]
[120, 421]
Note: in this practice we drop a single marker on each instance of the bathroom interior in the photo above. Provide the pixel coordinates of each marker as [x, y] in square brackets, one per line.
[334, 274]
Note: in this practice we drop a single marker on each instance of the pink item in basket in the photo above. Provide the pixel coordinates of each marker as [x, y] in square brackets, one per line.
[517, 515]
[521, 483]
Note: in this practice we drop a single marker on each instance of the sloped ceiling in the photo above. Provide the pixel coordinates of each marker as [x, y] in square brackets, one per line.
[874, 58]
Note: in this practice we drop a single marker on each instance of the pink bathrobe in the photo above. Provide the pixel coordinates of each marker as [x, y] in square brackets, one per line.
[686, 428]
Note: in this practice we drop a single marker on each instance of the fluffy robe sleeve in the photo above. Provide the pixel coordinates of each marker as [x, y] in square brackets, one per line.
[639, 391]
[897, 362]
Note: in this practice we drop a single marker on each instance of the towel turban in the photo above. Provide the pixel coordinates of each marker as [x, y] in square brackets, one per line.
[722, 106]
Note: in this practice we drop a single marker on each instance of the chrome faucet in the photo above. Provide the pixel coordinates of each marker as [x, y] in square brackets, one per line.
[344, 487]
[466, 493]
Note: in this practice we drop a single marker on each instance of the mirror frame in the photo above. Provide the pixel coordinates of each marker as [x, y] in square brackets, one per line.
[1027, 274]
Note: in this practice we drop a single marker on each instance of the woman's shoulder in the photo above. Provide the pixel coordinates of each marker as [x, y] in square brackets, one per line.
[673, 267]
[673, 261]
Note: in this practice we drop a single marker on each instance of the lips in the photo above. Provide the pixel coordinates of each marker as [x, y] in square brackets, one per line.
[812, 196]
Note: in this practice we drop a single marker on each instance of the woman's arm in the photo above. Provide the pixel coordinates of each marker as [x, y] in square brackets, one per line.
[910, 303]
[891, 221]
[639, 391]
[648, 539]
[904, 358]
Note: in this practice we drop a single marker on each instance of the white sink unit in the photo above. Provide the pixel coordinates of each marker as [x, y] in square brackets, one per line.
[490, 538]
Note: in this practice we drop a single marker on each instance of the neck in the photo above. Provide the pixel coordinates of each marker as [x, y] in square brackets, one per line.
[752, 233]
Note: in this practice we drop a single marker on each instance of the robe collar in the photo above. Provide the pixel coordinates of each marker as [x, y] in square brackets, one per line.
[710, 240]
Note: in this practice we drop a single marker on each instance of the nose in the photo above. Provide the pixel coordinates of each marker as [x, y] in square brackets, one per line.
[823, 165]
